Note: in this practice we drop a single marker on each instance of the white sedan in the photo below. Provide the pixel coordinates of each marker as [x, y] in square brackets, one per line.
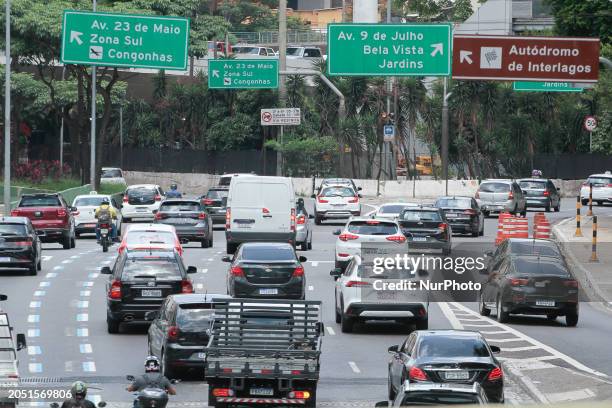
[602, 189]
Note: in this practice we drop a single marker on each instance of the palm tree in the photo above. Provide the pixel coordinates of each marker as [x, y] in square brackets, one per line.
[412, 96]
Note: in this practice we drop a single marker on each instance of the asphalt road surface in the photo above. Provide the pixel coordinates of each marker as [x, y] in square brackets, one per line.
[63, 313]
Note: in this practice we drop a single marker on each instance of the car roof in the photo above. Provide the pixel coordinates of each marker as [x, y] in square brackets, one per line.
[13, 220]
[143, 185]
[601, 175]
[93, 195]
[152, 227]
[267, 244]
[450, 332]
[110, 168]
[158, 253]
[364, 219]
[40, 195]
[183, 299]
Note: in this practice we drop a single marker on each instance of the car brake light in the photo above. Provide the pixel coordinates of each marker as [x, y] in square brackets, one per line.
[23, 243]
[610, 185]
[301, 219]
[518, 282]
[292, 220]
[208, 201]
[570, 283]
[546, 193]
[61, 212]
[298, 271]
[470, 212]
[417, 374]
[158, 216]
[202, 216]
[125, 199]
[237, 271]
[228, 217]
[322, 200]
[477, 195]
[157, 197]
[15, 213]
[372, 222]
[354, 200]
[348, 237]
[299, 394]
[186, 286]
[115, 290]
[510, 195]
[396, 238]
[495, 374]
[222, 392]
[343, 255]
[173, 333]
[443, 226]
[351, 284]
[265, 210]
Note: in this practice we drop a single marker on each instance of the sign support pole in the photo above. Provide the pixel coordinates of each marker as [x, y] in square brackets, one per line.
[7, 109]
[92, 164]
[590, 142]
[445, 137]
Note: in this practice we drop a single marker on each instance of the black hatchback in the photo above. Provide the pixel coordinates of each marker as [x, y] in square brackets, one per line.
[20, 247]
[426, 228]
[266, 270]
[190, 219]
[463, 214]
[139, 283]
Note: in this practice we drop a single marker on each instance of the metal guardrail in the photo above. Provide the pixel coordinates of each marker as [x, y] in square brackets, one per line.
[271, 37]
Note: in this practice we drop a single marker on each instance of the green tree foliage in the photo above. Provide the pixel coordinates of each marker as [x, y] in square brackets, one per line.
[583, 18]
[433, 10]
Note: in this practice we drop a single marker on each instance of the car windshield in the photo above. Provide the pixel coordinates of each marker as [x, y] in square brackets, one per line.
[494, 187]
[40, 201]
[141, 192]
[454, 203]
[88, 201]
[338, 192]
[532, 184]
[533, 265]
[160, 268]
[266, 254]
[599, 180]
[391, 209]
[417, 215]
[438, 398]
[191, 206]
[194, 317]
[12, 229]
[372, 227]
[149, 238]
[452, 346]
[225, 181]
[534, 248]
[217, 194]
[111, 173]
[295, 51]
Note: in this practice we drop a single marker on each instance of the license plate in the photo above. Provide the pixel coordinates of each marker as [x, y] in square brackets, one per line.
[452, 215]
[385, 295]
[5, 259]
[104, 231]
[540, 284]
[268, 291]
[419, 239]
[262, 391]
[338, 205]
[549, 303]
[246, 226]
[456, 375]
[151, 292]
[90, 225]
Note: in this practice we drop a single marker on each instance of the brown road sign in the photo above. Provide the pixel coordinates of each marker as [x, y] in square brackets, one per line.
[504, 58]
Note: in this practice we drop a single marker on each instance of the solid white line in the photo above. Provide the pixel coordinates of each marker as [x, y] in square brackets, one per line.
[484, 324]
[354, 367]
[450, 316]
[502, 340]
[493, 332]
[330, 330]
[528, 383]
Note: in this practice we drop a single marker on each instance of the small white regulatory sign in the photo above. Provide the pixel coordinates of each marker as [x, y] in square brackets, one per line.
[280, 116]
[590, 123]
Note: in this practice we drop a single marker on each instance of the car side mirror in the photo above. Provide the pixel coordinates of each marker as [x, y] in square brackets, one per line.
[40, 233]
[192, 269]
[495, 349]
[73, 209]
[422, 273]
[358, 188]
[155, 211]
[336, 272]
[101, 404]
[151, 315]
[336, 232]
[226, 259]
[381, 404]
[302, 258]
[359, 195]
[21, 341]
[393, 349]
[489, 254]
[311, 216]
[130, 377]
[106, 270]
[313, 196]
[3, 297]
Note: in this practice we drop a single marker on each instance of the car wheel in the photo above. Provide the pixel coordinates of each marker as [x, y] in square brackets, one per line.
[39, 265]
[390, 390]
[571, 319]
[338, 316]
[558, 207]
[304, 246]
[73, 239]
[310, 243]
[482, 229]
[524, 212]
[502, 317]
[32, 270]
[205, 243]
[165, 368]
[422, 324]
[112, 325]
[484, 310]
[66, 242]
[346, 323]
[476, 233]
[486, 214]
[547, 208]
[600, 203]
[77, 234]
[318, 220]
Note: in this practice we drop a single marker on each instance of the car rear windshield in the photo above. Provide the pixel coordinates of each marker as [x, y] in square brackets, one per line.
[40, 201]
[194, 317]
[418, 215]
[452, 346]
[599, 180]
[494, 187]
[149, 238]
[111, 173]
[7, 355]
[438, 398]
[190, 206]
[337, 192]
[539, 266]
[373, 227]
[141, 192]
[265, 253]
[454, 203]
[225, 181]
[88, 202]
[391, 209]
[538, 185]
[534, 248]
[160, 268]
[217, 194]
[12, 229]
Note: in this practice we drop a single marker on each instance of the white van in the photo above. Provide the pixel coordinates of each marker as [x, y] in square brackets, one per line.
[260, 208]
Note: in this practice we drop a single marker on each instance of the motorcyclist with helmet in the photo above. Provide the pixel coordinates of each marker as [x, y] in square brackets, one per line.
[173, 193]
[106, 213]
[78, 400]
[152, 378]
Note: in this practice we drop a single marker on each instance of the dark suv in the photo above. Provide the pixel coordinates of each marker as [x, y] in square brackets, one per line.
[19, 245]
[51, 216]
[140, 281]
[191, 221]
[179, 331]
[215, 202]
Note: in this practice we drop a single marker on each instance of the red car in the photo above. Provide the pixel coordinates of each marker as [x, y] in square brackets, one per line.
[51, 217]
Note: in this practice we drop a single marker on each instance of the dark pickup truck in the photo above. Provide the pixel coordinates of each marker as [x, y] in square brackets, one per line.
[9, 375]
[264, 352]
[51, 217]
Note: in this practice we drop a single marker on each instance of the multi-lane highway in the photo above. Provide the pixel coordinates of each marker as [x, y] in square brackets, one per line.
[62, 311]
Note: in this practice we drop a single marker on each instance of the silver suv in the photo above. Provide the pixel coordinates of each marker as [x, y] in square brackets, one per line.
[497, 195]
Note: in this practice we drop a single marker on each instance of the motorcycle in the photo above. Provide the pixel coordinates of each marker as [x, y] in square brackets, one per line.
[150, 397]
[101, 404]
[105, 239]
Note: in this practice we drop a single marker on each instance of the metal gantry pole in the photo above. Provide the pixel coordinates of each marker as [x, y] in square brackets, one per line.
[121, 135]
[445, 137]
[7, 109]
[282, 57]
[61, 158]
[92, 165]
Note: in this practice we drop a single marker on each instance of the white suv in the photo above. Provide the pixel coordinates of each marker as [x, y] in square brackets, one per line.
[602, 188]
[362, 230]
[336, 202]
[141, 201]
[360, 295]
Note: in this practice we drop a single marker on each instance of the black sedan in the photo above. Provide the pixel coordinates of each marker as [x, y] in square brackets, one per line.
[463, 214]
[215, 201]
[537, 283]
[20, 247]
[446, 356]
[179, 332]
[190, 219]
[139, 283]
[426, 228]
[266, 270]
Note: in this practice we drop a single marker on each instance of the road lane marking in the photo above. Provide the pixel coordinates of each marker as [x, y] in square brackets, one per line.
[58, 268]
[82, 332]
[82, 317]
[44, 284]
[210, 259]
[93, 275]
[87, 284]
[199, 286]
[83, 304]
[35, 367]
[33, 318]
[35, 304]
[493, 332]
[490, 340]
[47, 257]
[310, 287]
[74, 257]
[86, 293]
[89, 366]
[39, 293]
[34, 350]
[69, 366]
[314, 263]
[515, 349]
[330, 330]
[204, 270]
[51, 275]
[33, 332]
[354, 367]
[85, 348]
[67, 261]
[450, 316]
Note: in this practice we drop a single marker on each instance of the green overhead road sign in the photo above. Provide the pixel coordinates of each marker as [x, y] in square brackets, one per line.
[242, 73]
[389, 49]
[125, 40]
[528, 86]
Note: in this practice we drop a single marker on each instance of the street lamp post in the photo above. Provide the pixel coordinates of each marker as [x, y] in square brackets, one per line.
[444, 143]
[7, 109]
[92, 165]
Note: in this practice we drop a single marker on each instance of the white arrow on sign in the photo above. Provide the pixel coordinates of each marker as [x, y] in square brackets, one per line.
[76, 36]
[215, 73]
[465, 56]
[438, 49]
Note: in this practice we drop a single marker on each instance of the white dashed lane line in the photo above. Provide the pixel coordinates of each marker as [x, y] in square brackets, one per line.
[46, 258]
[82, 332]
[330, 330]
[85, 348]
[89, 366]
[51, 275]
[39, 293]
[310, 287]
[35, 367]
[33, 318]
[85, 293]
[82, 317]
[33, 332]
[354, 367]
[34, 350]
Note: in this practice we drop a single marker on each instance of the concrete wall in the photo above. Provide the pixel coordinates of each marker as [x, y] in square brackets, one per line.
[197, 184]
